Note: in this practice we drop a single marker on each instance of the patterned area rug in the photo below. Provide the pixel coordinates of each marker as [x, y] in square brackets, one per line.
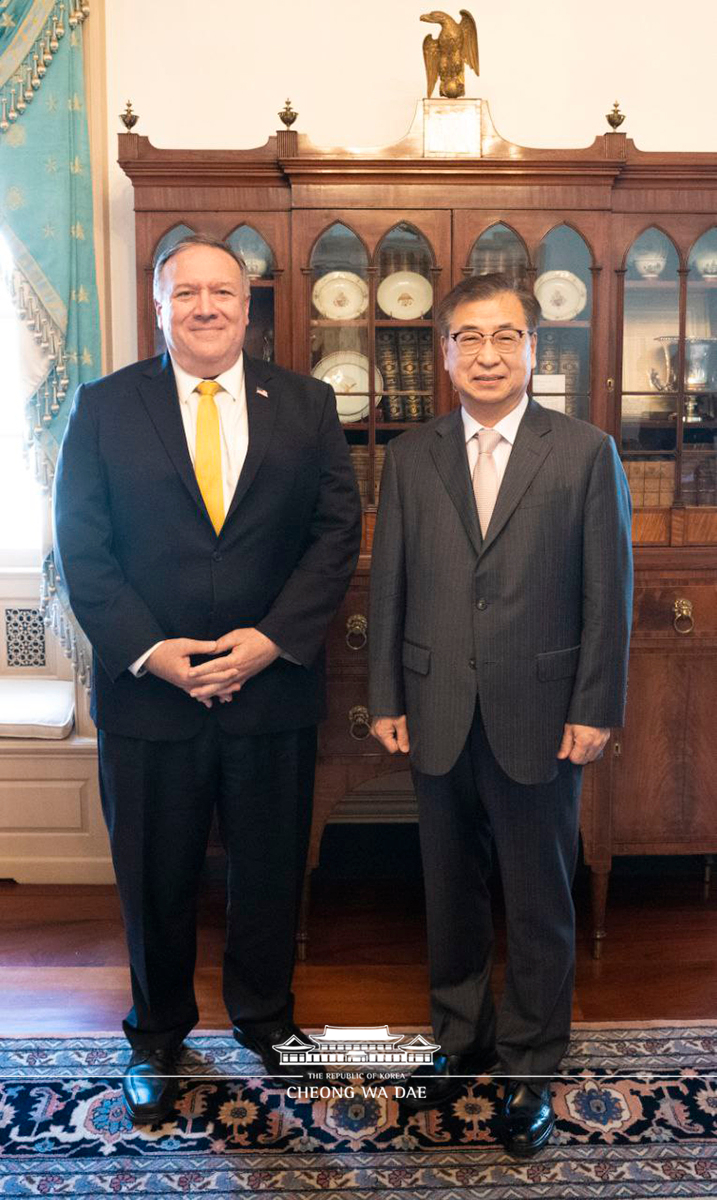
[636, 1118]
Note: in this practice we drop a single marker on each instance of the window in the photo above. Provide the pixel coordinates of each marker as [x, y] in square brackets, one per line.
[21, 501]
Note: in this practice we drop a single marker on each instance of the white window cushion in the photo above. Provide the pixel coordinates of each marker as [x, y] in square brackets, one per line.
[36, 708]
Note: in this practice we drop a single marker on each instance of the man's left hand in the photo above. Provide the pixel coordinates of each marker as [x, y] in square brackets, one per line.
[583, 743]
[241, 654]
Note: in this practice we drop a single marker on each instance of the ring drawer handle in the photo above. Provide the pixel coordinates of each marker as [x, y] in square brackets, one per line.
[684, 621]
[359, 722]
[356, 631]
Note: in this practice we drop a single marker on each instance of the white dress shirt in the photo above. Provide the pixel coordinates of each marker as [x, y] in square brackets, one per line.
[507, 427]
[233, 420]
[234, 435]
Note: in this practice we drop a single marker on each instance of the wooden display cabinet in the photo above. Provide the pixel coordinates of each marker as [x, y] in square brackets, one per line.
[351, 252]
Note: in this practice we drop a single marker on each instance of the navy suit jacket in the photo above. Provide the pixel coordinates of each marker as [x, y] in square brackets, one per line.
[141, 561]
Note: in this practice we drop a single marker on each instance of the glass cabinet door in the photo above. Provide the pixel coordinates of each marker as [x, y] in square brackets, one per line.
[404, 340]
[563, 287]
[699, 431]
[338, 280]
[259, 259]
[404, 327]
[651, 389]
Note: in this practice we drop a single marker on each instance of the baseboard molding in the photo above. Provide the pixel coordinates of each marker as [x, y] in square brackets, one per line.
[57, 870]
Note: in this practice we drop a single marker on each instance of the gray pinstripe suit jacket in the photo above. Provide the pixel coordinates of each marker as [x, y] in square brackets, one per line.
[534, 619]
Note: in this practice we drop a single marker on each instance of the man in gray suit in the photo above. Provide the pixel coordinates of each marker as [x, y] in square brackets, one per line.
[500, 613]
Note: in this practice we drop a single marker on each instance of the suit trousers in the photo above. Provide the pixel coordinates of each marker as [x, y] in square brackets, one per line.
[466, 815]
[158, 800]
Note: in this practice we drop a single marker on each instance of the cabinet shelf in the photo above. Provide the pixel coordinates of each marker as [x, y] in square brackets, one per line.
[544, 324]
[652, 285]
[667, 423]
[397, 323]
[331, 323]
[381, 426]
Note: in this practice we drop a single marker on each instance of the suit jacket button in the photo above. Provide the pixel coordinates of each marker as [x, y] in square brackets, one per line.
[472, 664]
[482, 603]
[217, 556]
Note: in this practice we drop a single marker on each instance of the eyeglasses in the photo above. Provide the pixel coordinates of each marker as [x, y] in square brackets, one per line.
[505, 341]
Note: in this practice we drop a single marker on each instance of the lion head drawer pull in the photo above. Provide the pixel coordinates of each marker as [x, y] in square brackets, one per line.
[684, 622]
[356, 631]
[359, 722]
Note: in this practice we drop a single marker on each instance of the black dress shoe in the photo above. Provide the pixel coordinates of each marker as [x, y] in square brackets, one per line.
[150, 1085]
[527, 1117]
[263, 1044]
[446, 1078]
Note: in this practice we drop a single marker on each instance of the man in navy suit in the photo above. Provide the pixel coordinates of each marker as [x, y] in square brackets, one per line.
[207, 526]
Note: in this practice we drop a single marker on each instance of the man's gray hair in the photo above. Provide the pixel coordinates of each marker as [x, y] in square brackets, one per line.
[198, 239]
[485, 287]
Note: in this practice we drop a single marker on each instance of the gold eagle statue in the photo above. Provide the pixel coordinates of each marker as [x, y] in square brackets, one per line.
[445, 55]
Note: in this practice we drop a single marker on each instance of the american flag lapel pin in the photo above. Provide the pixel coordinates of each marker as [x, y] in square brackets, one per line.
[261, 392]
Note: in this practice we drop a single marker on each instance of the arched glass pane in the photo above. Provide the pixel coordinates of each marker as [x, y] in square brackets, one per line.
[404, 249]
[339, 325]
[650, 355]
[339, 249]
[171, 237]
[699, 458]
[563, 286]
[498, 249]
[255, 251]
[404, 333]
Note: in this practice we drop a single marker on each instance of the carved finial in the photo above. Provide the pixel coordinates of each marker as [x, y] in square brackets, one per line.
[129, 118]
[615, 118]
[287, 115]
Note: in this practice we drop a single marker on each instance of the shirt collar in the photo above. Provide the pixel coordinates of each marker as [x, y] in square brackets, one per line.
[507, 427]
[231, 381]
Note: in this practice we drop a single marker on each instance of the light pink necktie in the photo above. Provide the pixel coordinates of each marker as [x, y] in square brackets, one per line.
[485, 476]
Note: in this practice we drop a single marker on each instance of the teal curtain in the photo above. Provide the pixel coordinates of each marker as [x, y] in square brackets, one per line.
[46, 222]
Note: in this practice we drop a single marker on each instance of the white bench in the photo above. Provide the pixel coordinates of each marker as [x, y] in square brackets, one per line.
[51, 827]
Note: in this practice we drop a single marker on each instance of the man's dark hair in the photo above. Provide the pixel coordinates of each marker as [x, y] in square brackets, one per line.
[484, 287]
[198, 239]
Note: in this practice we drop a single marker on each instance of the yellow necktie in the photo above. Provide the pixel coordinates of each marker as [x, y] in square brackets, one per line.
[208, 453]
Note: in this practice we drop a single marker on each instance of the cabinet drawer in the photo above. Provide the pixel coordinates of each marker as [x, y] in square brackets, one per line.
[676, 611]
[345, 730]
[347, 641]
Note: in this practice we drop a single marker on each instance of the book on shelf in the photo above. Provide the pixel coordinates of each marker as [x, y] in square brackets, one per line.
[387, 363]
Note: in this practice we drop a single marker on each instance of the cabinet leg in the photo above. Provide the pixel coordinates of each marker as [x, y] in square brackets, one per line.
[599, 880]
[707, 876]
[302, 933]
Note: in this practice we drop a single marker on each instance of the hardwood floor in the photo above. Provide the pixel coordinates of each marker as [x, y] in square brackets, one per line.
[63, 963]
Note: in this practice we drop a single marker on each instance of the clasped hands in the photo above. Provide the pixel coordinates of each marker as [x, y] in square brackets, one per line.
[238, 655]
[580, 743]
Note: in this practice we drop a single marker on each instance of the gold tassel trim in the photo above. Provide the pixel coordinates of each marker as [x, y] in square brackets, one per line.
[20, 90]
[44, 406]
[64, 625]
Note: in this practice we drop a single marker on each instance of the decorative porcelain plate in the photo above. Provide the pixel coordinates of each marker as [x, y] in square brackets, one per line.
[347, 372]
[340, 295]
[404, 295]
[561, 295]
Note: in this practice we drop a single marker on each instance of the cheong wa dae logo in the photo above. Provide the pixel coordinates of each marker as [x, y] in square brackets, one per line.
[358, 1047]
